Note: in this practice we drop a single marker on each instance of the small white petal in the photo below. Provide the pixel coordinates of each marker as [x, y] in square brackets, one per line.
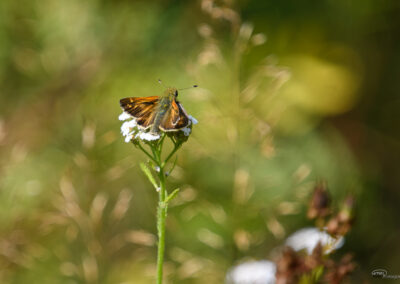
[157, 169]
[186, 131]
[256, 272]
[193, 120]
[132, 123]
[127, 127]
[148, 136]
[124, 116]
[128, 138]
[308, 238]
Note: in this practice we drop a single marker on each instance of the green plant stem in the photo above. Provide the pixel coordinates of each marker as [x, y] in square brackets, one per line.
[161, 217]
[156, 150]
[161, 211]
[147, 153]
[176, 147]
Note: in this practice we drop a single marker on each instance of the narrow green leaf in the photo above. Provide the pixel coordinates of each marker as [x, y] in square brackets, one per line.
[318, 271]
[172, 195]
[147, 172]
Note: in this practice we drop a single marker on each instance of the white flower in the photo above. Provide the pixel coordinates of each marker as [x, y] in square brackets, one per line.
[130, 129]
[193, 120]
[127, 127]
[148, 136]
[308, 238]
[128, 138]
[255, 272]
[124, 116]
[187, 130]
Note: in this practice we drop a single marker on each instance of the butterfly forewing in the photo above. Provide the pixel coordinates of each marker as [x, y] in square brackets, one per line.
[143, 109]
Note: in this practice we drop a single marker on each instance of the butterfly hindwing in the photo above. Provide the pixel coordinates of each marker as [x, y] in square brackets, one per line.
[143, 109]
[176, 118]
[171, 118]
[183, 117]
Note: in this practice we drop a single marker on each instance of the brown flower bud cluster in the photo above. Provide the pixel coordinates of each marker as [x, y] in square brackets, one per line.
[302, 267]
[341, 223]
[293, 267]
[320, 209]
[320, 202]
[336, 272]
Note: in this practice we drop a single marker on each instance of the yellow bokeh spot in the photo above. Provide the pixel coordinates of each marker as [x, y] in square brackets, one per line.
[320, 87]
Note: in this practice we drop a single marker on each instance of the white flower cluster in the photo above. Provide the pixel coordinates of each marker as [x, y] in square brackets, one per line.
[308, 238]
[130, 129]
[263, 272]
[253, 272]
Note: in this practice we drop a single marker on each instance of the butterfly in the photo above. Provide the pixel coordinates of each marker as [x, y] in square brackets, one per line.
[157, 113]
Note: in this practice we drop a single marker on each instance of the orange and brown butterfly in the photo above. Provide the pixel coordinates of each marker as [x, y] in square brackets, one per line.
[157, 113]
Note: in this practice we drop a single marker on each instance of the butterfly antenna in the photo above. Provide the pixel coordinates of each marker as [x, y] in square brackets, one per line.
[161, 83]
[194, 86]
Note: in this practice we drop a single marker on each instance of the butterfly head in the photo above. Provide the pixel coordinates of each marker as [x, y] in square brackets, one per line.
[171, 93]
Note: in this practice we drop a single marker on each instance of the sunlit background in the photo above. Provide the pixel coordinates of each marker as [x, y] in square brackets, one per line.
[290, 92]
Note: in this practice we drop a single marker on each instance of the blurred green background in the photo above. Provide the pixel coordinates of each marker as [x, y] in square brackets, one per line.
[290, 92]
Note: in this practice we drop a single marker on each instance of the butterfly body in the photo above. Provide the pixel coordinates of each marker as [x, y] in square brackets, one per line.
[164, 106]
[157, 112]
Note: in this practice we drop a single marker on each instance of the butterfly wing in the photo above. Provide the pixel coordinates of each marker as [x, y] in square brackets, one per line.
[143, 109]
[175, 119]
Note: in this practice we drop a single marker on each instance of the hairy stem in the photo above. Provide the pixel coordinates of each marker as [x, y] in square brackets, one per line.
[161, 212]
[161, 217]
[156, 149]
